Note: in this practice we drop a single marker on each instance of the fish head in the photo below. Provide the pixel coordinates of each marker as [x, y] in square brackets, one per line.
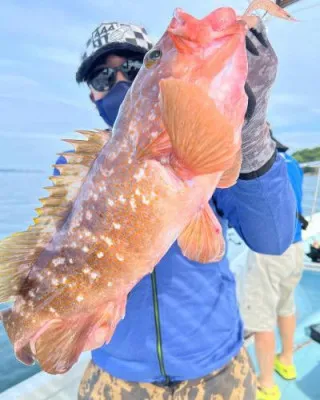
[208, 52]
[211, 54]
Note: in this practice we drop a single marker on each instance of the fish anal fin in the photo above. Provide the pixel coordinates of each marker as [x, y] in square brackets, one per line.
[159, 147]
[202, 239]
[202, 138]
[231, 175]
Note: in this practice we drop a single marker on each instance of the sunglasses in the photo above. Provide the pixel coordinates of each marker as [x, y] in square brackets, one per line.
[103, 78]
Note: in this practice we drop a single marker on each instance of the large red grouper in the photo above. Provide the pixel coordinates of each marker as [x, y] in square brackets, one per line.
[123, 199]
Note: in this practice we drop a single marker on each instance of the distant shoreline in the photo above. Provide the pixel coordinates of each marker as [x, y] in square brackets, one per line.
[310, 173]
[20, 171]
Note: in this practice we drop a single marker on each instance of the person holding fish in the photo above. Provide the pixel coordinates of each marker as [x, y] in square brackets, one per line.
[127, 255]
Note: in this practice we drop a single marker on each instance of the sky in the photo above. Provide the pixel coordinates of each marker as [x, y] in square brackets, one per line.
[41, 43]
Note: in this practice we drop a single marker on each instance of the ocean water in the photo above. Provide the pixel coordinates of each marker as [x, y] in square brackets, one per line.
[19, 191]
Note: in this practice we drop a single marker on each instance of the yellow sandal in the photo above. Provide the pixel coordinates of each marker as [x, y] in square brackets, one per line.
[272, 393]
[287, 372]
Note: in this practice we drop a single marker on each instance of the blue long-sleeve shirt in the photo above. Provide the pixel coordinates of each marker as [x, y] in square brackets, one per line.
[182, 322]
[296, 178]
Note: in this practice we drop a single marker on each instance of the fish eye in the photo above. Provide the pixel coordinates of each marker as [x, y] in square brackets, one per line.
[152, 58]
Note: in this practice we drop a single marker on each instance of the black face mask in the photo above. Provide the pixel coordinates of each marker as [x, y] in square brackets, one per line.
[110, 104]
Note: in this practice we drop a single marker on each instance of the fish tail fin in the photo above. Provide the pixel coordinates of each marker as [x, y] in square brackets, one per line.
[203, 139]
[17, 255]
[19, 252]
[58, 346]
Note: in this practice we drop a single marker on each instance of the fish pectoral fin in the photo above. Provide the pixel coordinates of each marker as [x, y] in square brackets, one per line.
[159, 147]
[202, 239]
[230, 176]
[202, 138]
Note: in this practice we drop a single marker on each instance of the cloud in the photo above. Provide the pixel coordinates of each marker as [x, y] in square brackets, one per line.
[62, 56]
[299, 139]
[46, 22]
[287, 99]
[16, 80]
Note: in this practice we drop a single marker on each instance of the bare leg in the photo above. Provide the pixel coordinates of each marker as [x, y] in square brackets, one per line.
[265, 352]
[287, 326]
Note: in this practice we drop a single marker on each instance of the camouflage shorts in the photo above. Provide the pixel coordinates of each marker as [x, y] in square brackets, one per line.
[236, 381]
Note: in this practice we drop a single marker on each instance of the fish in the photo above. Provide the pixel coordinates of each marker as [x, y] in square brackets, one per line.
[124, 197]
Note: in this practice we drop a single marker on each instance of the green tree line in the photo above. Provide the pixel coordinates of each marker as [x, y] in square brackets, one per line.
[307, 155]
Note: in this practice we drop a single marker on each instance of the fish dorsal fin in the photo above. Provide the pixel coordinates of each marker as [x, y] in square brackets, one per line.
[202, 239]
[19, 252]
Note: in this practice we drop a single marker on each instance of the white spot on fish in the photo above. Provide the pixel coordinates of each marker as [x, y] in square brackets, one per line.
[145, 200]
[110, 202]
[70, 260]
[80, 236]
[129, 160]
[64, 279]
[116, 226]
[133, 204]
[139, 175]
[119, 257]
[154, 134]
[152, 117]
[74, 245]
[58, 261]
[153, 194]
[85, 249]
[107, 240]
[87, 233]
[51, 309]
[137, 192]
[94, 275]
[55, 282]
[31, 293]
[95, 197]
[122, 199]
[100, 254]
[48, 273]
[80, 298]
[40, 277]
[86, 270]
[89, 215]
[109, 284]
